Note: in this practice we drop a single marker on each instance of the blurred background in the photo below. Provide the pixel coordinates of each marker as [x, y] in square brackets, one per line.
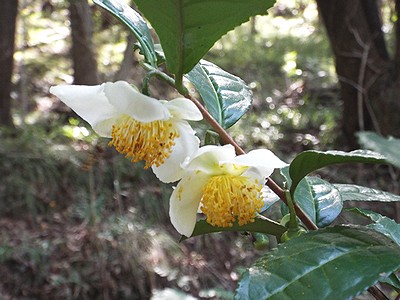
[79, 221]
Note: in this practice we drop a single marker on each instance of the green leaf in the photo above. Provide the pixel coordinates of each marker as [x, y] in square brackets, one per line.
[309, 161]
[386, 146]
[135, 23]
[331, 263]
[259, 225]
[188, 29]
[319, 199]
[227, 97]
[352, 192]
[381, 223]
[394, 281]
[327, 199]
[303, 195]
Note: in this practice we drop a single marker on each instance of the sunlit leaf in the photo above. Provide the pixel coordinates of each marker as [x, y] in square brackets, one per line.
[309, 161]
[227, 97]
[352, 192]
[319, 199]
[331, 263]
[380, 223]
[386, 146]
[188, 29]
[327, 199]
[135, 23]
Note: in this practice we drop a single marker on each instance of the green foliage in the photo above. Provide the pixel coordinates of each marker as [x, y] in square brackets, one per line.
[309, 161]
[135, 23]
[352, 192]
[393, 281]
[319, 199]
[389, 147]
[187, 29]
[227, 97]
[332, 263]
[381, 224]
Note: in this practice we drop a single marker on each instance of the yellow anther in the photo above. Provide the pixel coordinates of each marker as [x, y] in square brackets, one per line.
[151, 142]
[227, 198]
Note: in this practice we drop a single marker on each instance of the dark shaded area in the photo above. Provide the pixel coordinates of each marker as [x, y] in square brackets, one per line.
[368, 76]
[8, 15]
[82, 52]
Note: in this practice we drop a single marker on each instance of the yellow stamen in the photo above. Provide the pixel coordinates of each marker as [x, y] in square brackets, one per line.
[227, 198]
[151, 142]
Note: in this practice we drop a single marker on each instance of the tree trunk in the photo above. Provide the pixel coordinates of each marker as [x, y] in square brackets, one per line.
[126, 70]
[83, 56]
[8, 16]
[365, 71]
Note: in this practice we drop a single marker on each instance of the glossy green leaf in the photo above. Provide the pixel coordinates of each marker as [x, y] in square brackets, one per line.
[259, 225]
[309, 161]
[327, 199]
[352, 192]
[303, 195]
[381, 223]
[189, 28]
[135, 23]
[319, 199]
[331, 263]
[227, 97]
[389, 147]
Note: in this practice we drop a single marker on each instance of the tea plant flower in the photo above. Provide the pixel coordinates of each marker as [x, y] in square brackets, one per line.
[141, 127]
[223, 186]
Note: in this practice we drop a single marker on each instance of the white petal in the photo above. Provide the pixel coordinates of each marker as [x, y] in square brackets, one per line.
[185, 200]
[128, 100]
[262, 163]
[208, 158]
[183, 108]
[104, 128]
[185, 145]
[89, 102]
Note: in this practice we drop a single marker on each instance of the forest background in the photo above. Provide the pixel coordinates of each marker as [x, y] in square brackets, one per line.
[79, 221]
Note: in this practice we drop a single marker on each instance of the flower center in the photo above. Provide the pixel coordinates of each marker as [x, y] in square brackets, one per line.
[227, 198]
[151, 142]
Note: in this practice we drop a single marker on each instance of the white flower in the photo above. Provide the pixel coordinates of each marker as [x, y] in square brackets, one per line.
[223, 186]
[141, 127]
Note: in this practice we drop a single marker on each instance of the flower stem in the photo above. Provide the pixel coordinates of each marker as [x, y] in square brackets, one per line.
[146, 81]
[226, 138]
[293, 224]
[156, 72]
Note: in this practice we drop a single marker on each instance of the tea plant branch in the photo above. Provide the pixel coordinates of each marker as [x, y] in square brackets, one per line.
[226, 138]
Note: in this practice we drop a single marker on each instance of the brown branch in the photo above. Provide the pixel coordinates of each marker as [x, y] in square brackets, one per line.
[377, 293]
[226, 138]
